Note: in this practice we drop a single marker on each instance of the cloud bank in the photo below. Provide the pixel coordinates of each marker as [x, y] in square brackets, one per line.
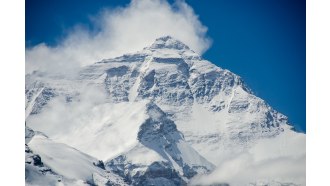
[122, 30]
[269, 162]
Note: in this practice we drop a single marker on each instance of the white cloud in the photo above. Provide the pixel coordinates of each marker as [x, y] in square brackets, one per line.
[122, 30]
[90, 123]
[281, 159]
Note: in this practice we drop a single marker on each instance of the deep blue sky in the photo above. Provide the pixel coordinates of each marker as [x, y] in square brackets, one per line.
[263, 41]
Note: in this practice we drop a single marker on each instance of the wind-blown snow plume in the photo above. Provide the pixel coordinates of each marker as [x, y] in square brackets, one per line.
[122, 30]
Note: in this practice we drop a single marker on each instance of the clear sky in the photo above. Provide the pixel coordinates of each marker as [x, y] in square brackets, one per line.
[263, 41]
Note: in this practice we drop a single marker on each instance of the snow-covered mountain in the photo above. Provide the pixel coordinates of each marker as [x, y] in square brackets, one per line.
[160, 116]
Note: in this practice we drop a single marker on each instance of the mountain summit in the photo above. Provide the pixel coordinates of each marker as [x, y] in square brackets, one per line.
[160, 116]
[169, 43]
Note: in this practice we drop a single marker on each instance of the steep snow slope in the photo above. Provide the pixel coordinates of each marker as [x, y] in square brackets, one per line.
[103, 110]
[48, 163]
[36, 173]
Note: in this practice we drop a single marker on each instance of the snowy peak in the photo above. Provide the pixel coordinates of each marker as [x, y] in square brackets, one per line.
[169, 50]
[158, 129]
[169, 43]
[158, 115]
[170, 157]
